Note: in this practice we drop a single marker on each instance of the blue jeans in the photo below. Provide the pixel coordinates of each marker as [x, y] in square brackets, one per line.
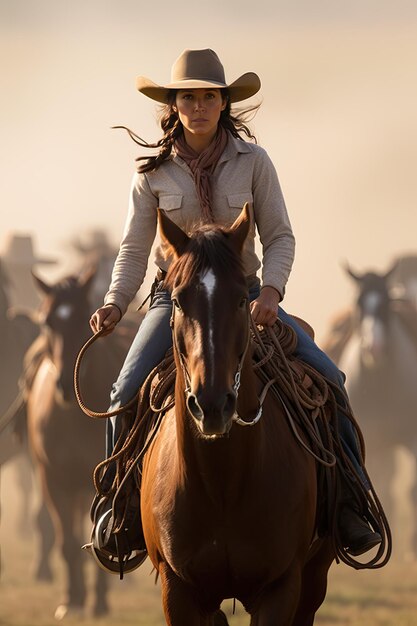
[154, 338]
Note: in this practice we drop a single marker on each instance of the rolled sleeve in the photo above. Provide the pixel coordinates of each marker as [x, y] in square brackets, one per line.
[273, 223]
[139, 234]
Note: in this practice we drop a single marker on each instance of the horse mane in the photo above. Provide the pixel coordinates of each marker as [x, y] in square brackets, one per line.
[208, 247]
[67, 283]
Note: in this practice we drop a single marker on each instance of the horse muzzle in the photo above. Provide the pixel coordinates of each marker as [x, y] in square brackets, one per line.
[212, 413]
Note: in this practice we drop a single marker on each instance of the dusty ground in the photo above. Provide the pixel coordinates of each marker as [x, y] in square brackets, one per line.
[386, 597]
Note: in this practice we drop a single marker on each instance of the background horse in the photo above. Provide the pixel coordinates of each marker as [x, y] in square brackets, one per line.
[65, 445]
[228, 512]
[17, 331]
[375, 344]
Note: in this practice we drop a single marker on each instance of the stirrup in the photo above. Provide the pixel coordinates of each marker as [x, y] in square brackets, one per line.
[122, 562]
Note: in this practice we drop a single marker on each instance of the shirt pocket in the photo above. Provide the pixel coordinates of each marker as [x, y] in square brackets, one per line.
[170, 202]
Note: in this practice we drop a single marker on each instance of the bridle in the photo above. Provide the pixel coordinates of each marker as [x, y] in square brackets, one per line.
[237, 376]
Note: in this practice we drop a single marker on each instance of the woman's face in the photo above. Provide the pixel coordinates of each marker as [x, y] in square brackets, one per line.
[199, 110]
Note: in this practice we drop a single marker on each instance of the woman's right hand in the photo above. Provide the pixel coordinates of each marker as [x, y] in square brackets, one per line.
[106, 317]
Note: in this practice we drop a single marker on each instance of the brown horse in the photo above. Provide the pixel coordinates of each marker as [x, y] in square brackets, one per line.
[17, 331]
[228, 512]
[66, 447]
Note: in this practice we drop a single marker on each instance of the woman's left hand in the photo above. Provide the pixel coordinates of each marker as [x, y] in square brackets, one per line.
[264, 309]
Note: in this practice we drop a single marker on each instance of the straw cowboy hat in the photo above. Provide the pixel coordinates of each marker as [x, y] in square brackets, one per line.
[200, 69]
[18, 250]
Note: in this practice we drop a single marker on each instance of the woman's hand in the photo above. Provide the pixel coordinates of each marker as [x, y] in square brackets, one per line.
[105, 317]
[264, 309]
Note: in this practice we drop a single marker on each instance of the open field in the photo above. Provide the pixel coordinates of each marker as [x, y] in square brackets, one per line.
[383, 598]
[386, 597]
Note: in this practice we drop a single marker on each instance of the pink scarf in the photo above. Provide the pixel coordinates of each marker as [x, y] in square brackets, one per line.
[202, 166]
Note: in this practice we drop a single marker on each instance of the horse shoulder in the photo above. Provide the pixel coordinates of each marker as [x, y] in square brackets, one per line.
[160, 484]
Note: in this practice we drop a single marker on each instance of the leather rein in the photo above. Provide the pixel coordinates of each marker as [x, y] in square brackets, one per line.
[237, 377]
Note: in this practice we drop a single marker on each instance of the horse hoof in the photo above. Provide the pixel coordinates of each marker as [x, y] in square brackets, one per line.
[101, 611]
[61, 612]
[44, 575]
[64, 610]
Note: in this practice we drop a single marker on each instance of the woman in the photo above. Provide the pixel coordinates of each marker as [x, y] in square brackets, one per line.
[205, 172]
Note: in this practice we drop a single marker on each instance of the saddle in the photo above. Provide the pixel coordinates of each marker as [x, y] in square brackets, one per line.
[310, 405]
[308, 402]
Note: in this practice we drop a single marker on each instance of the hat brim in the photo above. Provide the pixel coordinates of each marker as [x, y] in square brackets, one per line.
[244, 87]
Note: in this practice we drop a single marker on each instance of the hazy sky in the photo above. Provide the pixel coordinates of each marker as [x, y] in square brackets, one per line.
[339, 91]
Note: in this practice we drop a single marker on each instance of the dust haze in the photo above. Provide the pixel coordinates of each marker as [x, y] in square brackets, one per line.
[337, 117]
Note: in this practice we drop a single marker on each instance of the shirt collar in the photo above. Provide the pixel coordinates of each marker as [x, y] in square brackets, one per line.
[233, 147]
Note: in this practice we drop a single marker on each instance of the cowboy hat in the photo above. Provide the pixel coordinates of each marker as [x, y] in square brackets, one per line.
[19, 250]
[200, 69]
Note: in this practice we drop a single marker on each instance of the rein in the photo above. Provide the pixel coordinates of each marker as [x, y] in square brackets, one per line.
[306, 413]
[83, 406]
[236, 384]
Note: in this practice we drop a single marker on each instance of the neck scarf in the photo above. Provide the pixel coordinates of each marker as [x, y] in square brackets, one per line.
[202, 167]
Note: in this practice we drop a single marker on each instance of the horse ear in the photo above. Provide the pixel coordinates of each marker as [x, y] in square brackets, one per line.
[88, 276]
[172, 234]
[350, 272]
[394, 267]
[239, 230]
[41, 285]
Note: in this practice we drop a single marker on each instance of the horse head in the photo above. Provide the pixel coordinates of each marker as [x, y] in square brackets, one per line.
[210, 318]
[64, 315]
[373, 306]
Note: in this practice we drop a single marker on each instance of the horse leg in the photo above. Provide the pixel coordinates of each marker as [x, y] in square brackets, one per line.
[65, 508]
[101, 605]
[403, 494]
[314, 583]
[46, 532]
[278, 603]
[180, 605]
[24, 479]
[411, 480]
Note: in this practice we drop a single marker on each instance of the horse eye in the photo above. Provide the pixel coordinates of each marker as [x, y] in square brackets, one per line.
[242, 303]
[176, 304]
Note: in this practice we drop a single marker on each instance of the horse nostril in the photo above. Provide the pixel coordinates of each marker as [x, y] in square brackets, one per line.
[229, 405]
[194, 408]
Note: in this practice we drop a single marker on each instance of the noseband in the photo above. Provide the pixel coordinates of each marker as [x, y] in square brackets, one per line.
[237, 377]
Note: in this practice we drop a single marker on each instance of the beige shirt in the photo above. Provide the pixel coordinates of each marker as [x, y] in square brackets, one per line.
[244, 173]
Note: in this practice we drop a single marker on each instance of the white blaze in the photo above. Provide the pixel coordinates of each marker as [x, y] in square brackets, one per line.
[208, 282]
[64, 311]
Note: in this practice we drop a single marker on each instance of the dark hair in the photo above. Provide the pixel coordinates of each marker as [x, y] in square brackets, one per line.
[235, 123]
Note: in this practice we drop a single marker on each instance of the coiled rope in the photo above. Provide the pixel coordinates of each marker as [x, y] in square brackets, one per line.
[311, 412]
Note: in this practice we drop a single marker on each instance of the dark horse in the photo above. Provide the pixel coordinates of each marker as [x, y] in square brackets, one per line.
[17, 331]
[228, 512]
[65, 446]
[375, 344]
